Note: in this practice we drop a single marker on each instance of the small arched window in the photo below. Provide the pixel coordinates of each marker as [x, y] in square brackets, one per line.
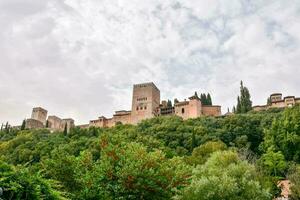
[182, 110]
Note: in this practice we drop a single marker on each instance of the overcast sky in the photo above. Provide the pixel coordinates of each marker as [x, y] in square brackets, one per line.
[80, 58]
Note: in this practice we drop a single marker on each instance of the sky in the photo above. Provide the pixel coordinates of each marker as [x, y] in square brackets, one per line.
[80, 58]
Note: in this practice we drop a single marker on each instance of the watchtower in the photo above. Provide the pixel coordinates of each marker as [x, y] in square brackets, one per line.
[39, 114]
[145, 101]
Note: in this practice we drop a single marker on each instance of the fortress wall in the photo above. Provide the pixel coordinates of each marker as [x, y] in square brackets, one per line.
[211, 110]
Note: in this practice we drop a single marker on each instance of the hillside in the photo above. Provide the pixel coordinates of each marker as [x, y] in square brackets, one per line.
[235, 157]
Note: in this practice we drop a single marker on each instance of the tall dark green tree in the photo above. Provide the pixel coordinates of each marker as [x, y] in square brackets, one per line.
[209, 101]
[23, 125]
[244, 103]
[203, 99]
[66, 129]
[7, 127]
[47, 124]
[169, 103]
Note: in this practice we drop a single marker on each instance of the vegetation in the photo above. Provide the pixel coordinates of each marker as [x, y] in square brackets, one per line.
[244, 103]
[237, 157]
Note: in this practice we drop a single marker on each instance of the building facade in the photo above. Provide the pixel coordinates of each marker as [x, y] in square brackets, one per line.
[277, 101]
[146, 104]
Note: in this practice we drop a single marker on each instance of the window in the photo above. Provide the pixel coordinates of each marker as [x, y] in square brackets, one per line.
[182, 110]
[141, 108]
[137, 108]
[145, 107]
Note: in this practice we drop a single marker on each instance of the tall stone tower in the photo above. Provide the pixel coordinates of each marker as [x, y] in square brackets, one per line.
[145, 102]
[39, 114]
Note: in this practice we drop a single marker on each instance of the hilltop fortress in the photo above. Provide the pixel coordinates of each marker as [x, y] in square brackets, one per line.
[146, 104]
[39, 120]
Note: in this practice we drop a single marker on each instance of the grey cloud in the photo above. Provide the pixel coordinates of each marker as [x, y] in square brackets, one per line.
[79, 58]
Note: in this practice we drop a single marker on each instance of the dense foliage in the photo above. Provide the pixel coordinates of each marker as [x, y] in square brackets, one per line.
[241, 156]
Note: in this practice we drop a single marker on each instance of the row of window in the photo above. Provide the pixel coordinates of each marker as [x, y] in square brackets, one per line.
[142, 99]
[141, 108]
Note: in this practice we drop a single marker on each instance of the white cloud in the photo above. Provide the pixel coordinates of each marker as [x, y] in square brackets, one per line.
[79, 58]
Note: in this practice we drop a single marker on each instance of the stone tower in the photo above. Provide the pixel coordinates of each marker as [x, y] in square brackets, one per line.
[145, 102]
[39, 114]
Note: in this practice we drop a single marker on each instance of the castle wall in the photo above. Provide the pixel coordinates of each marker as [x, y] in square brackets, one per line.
[54, 122]
[33, 124]
[211, 110]
[123, 117]
[69, 122]
[278, 104]
[259, 108]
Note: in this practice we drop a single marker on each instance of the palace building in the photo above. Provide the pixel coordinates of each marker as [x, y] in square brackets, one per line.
[277, 101]
[146, 104]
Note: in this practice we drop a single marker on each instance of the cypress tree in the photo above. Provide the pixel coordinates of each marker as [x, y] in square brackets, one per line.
[233, 109]
[203, 99]
[238, 106]
[244, 103]
[47, 124]
[66, 129]
[2, 127]
[23, 125]
[209, 101]
[193, 141]
[6, 127]
[169, 104]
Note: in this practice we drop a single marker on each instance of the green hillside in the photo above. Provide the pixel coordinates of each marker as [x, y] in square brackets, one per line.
[236, 157]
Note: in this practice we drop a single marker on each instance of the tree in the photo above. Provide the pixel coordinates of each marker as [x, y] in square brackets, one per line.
[130, 172]
[294, 177]
[66, 129]
[169, 104]
[47, 124]
[203, 99]
[176, 101]
[225, 177]
[193, 141]
[273, 162]
[209, 101]
[244, 103]
[20, 184]
[7, 127]
[284, 135]
[23, 125]
[233, 109]
[203, 152]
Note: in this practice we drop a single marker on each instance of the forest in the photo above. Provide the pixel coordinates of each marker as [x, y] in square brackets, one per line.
[234, 157]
